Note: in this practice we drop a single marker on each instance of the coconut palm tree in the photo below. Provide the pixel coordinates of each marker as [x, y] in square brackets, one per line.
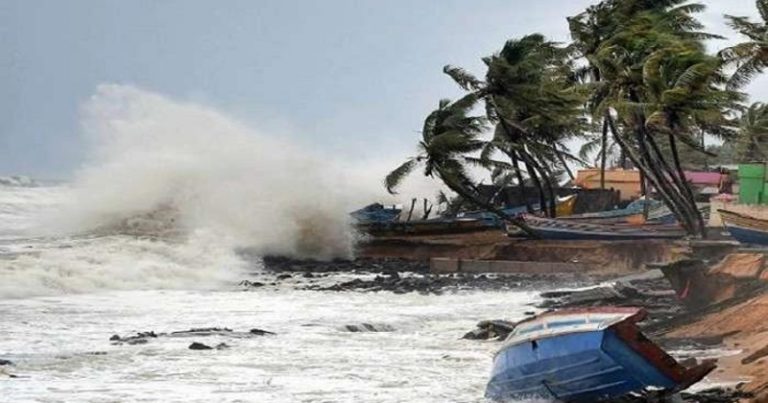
[750, 57]
[683, 95]
[448, 136]
[530, 98]
[752, 141]
[646, 89]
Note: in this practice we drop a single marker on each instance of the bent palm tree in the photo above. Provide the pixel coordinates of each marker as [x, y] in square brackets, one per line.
[752, 139]
[449, 134]
[750, 57]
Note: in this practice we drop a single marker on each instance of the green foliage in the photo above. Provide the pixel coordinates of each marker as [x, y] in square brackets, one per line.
[750, 57]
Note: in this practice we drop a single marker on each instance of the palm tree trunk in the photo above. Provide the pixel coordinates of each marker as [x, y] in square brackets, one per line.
[638, 162]
[562, 160]
[603, 153]
[680, 206]
[687, 189]
[520, 182]
[468, 196]
[659, 168]
[679, 186]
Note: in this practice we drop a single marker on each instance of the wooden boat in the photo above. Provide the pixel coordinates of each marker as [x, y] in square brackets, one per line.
[376, 213]
[633, 214]
[548, 228]
[585, 355]
[617, 215]
[564, 207]
[427, 227]
[745, 229]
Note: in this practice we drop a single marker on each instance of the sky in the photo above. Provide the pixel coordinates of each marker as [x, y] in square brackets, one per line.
[350, 78]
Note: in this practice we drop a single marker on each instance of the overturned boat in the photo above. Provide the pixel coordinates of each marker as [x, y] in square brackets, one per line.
[585, 355]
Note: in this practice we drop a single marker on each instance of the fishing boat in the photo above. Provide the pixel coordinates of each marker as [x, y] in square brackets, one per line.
[617, 215]
[585, 355]
[376, 213]
[440, 226]
[552, 228]
[745, 229]
[564, 207]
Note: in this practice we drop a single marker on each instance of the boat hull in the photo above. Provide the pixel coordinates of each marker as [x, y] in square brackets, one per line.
[747, 235]
[587, 367]
[556, 229]
[745, 229]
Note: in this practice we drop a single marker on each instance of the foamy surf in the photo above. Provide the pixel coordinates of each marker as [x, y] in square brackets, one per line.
[169, 190]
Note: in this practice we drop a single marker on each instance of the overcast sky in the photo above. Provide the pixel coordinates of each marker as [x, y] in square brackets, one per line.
[349, 77]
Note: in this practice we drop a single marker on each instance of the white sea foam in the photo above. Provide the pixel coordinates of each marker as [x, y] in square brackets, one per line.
[151, 152]
[169, 190]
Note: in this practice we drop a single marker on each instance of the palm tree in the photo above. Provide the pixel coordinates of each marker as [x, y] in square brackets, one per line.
[750, 57]
[648, 60]
[449, 134]
[529, 97]
[683, 95]
[752, 138]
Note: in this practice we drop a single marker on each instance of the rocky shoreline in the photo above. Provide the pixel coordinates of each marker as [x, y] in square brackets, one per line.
[649, 290]
[399, 276]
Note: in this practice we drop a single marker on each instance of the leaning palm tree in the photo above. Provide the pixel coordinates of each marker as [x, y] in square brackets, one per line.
[752, 141]
[448, 136]
[750, 57]
[683, 95]
[638, 30]
[530, 98]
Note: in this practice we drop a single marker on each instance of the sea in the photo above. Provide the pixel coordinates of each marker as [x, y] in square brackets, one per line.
[63, 296]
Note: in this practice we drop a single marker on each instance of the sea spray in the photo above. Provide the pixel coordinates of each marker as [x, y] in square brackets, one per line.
[148, 152]
[169, 192]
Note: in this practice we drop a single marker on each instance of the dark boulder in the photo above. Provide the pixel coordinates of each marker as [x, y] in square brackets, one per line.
[199, 346]
[491, 329]
[5, 362]
[261, 332]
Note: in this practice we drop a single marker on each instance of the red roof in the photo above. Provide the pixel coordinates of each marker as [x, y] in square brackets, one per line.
[703, 178]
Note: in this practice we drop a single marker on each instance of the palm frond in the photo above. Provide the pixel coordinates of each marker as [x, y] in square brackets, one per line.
[394, 178]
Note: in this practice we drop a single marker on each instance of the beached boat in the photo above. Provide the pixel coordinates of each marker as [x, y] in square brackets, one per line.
[564, 207]
[549, 228]
[427, 227]
[617, 215]
[745, 229]
[585, 355]
[376, 213]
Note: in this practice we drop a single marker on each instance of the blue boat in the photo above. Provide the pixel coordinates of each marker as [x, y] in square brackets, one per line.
[585, 355]
[557, 229]
[376, 213]
[636, 207]
[745, 229]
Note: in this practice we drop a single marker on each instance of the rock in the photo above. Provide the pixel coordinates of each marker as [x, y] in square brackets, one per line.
[201, 331]
[284, 276]
[222, 346]
[308, 275]
[251, 284]
[114, 337]
[491, 329]
[199, 346]
[260, 332]
[756, 355]
[368, 327]
[5, 362]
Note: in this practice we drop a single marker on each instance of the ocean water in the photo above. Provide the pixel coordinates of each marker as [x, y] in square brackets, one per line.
[63, 296]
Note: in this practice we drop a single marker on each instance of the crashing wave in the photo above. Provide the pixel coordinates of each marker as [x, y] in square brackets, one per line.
[162, 222]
